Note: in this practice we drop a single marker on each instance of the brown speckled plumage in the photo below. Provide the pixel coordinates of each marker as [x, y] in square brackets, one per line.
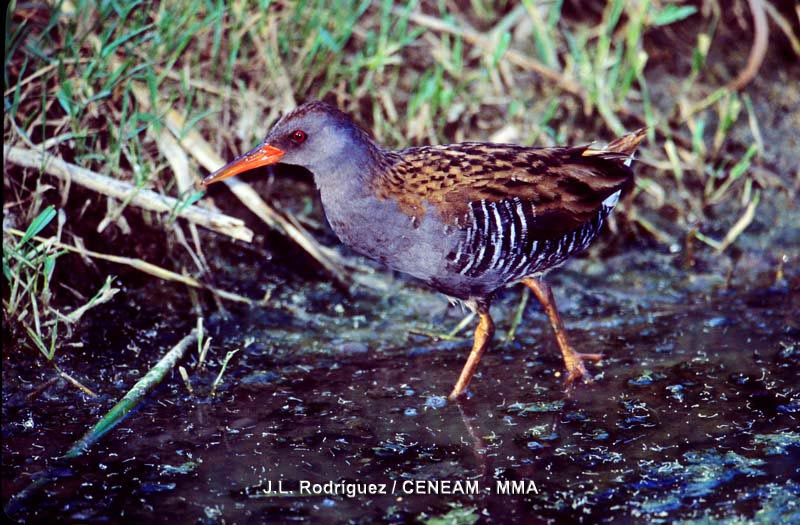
[464, 218]
[566, 182]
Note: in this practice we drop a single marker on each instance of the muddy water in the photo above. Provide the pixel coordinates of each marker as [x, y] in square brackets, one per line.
[332, 413]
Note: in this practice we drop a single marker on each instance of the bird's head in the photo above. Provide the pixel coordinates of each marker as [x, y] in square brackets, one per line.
[315, 135]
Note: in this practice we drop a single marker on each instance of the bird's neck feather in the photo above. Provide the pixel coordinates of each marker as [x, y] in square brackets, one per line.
[351, 174]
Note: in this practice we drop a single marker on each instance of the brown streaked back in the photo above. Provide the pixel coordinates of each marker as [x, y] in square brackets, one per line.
[565, 186]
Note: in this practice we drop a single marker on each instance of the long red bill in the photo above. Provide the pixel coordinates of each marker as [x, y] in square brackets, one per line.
[261, 155]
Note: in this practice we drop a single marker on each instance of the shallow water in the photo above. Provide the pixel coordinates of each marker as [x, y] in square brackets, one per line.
[693, 414]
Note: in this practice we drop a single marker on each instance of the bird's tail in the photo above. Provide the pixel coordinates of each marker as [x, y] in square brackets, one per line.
[627, 144]
[622, 148]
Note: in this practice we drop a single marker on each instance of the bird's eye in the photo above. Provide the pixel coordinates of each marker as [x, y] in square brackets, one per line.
[298, 136]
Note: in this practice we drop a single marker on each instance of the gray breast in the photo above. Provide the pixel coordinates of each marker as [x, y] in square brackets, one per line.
[378, 229]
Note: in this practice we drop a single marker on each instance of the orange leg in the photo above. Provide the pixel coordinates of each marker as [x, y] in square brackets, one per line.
[483, 335]
[572, 359]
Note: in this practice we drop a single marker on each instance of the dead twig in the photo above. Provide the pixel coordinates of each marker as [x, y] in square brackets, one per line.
[142, 198]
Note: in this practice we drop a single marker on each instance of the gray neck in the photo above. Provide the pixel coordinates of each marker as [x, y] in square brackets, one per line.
[348, 197]
[349, 174]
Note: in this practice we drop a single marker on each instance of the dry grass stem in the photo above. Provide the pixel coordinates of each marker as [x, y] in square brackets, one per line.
[142, 198]
[657, 233]
[741, 224]
[759, 49]
[785, 25]
[437, 336]
[77, 384]
[138, 264]
[186, 381]
[106, 294]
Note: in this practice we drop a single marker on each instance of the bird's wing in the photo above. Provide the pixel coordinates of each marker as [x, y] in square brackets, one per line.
[557, 189]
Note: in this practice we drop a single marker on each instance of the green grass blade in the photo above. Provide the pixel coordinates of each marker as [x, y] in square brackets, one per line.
[134, 396]
[672, 13]
[38, 224]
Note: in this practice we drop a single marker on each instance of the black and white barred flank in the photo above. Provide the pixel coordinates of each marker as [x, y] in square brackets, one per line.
[501, 237]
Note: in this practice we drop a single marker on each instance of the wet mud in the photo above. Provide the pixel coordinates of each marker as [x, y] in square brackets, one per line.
[333, 411]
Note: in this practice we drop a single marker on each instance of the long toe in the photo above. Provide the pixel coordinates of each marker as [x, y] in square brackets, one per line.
[456, 395]
[577, 370]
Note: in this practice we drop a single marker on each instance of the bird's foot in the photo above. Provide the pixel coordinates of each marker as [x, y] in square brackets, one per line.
[576, 369]
[457, 395]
